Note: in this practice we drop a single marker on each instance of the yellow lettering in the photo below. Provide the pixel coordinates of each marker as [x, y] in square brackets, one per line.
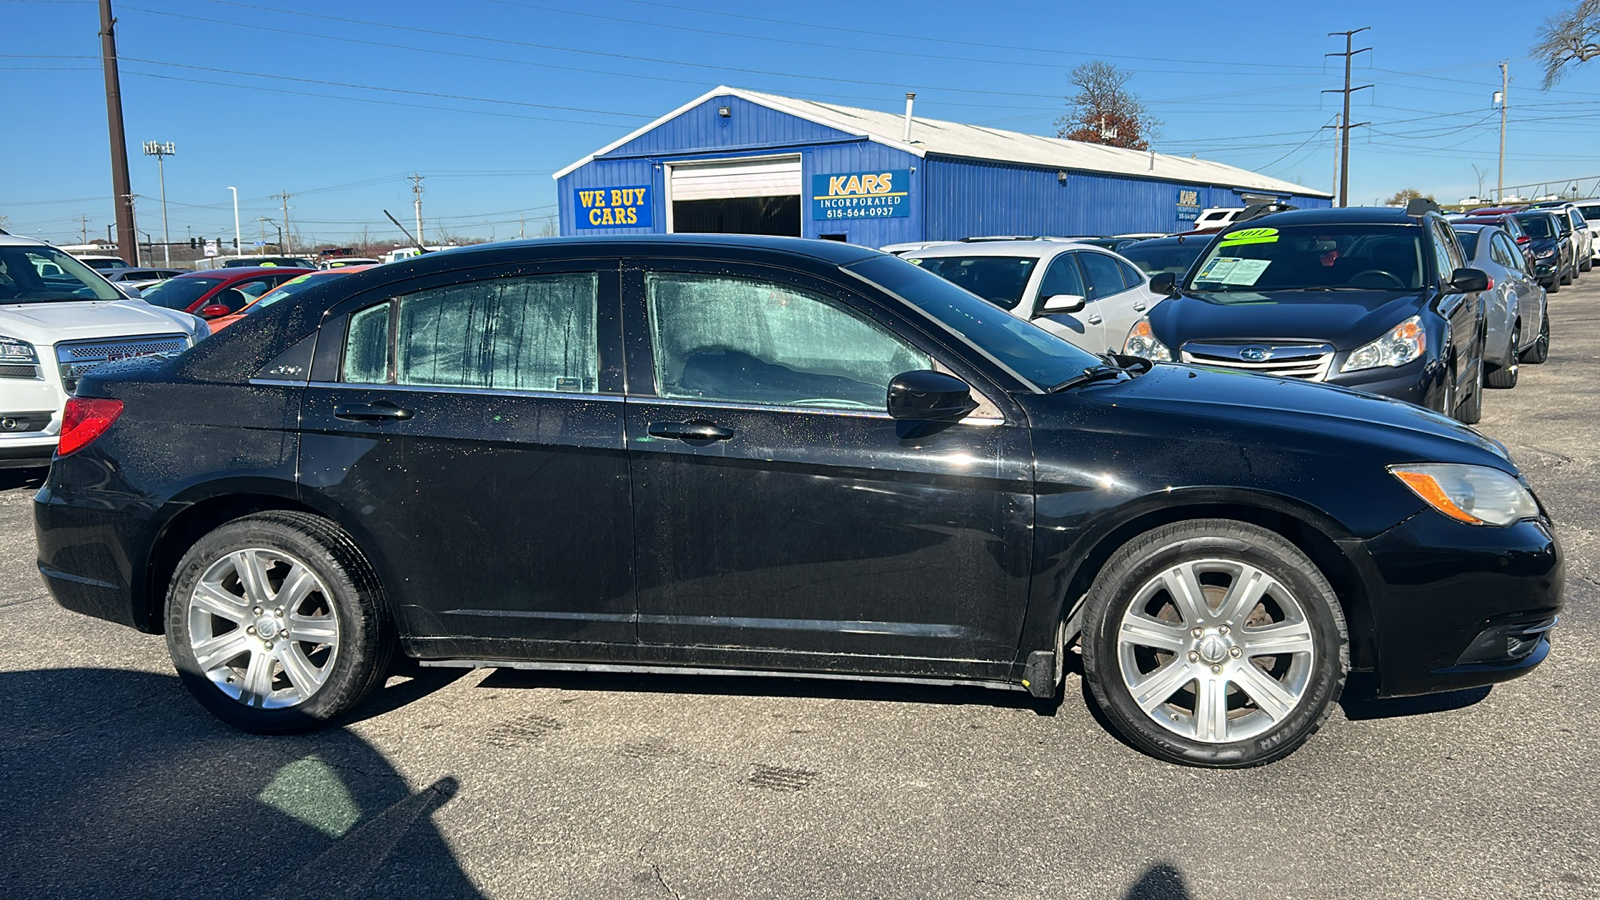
[594, 217]
[616, 198]
[886, 182]
[853, 186]
[633, 215]
[835, 185]
[869, 184]
[586, 198]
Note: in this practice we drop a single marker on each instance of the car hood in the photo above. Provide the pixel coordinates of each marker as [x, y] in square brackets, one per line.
[53, 323]
[1345, 319]
[1287, 412]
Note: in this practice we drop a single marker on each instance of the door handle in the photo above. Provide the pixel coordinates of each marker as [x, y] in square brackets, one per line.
[1094, 319]
[379, 411]
[690, 431]
[1138, 306]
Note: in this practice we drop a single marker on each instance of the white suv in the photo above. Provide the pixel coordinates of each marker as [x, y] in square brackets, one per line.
[1085, 295]
[58, 319]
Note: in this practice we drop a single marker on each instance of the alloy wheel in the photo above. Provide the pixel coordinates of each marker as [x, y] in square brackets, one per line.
[262, 628]
[1216, 650]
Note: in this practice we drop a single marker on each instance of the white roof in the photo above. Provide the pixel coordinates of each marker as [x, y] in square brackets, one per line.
[942, 138]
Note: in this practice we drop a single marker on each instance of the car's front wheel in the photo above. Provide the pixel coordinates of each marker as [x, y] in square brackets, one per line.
[275, 623]
[1214, 643]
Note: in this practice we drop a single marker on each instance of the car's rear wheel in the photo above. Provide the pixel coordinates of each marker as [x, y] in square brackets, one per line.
[1567, 276]
[1214, 643]
[1539, 351]
[1504, 374]
[275, 623]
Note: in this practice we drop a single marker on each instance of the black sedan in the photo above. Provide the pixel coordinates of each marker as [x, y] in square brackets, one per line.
[1374, 299]
[719, 454]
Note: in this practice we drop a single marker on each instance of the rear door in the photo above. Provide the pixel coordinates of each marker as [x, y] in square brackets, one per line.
[468, 428]
[1084, 328]
[781, 515]
[1116, 298]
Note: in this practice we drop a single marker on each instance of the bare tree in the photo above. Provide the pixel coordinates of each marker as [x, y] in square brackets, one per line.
[1104, 111]
[549, 229]
[1406, 195]
[1572, 37]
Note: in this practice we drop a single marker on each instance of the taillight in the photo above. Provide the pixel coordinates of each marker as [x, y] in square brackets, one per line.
[85, 419]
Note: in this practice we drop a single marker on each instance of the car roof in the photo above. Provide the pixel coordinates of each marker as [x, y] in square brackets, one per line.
[17, 240]
[838, 253]
[1471, 226]
[1034, 249]
[1350, 215]
[232, 273]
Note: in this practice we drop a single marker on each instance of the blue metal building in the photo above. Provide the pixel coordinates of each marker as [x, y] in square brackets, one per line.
[738, 161]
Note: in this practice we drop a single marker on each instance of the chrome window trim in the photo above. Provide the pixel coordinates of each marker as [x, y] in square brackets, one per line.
[453, 389]
[811, 410]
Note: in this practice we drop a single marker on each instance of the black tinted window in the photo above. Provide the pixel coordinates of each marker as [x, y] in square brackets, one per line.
[1104, 275]
[1469, 242]
[1062, 278]
[1539, 225]
[997, 279]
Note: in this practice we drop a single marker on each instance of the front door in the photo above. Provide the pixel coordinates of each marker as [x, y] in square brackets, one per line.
[470, 432]
[779, 510]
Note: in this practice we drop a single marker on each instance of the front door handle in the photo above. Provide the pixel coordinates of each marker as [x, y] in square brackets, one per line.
[378, 411]
[1095, 319]
[690, 431]
[1138, 306]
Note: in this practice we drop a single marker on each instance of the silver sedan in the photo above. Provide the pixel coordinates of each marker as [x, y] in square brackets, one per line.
[1518, 319]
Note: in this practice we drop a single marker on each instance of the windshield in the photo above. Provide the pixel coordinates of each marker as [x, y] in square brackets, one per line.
[289, 289]
[1469, 242]
[1314, 257]
[1540, 225]
[1035, 355]
[39, 274]
[180, 293]
[1174, 256]
[997, 279]
[104, 262]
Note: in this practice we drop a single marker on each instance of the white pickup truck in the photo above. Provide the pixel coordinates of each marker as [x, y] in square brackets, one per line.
[58, 319]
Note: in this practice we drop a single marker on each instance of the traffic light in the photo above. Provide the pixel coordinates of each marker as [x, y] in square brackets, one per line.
[194, 243]
[235, 243]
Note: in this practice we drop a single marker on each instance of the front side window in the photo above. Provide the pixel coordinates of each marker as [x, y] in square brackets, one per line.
[745, 340]
[30, 274]
[1104, 275]
[1062, 278]
[534, 333]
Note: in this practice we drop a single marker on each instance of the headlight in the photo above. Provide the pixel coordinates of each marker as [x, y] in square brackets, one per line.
[15, 351]
[1544, 254]
[1476, 495]
[1404, 343]
[1142, 342]
[202, 330]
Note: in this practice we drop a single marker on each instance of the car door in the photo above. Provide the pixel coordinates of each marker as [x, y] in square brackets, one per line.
[781, 516]
[1529, 296]
[1117, 297]
[468, 429]
[1463, 312]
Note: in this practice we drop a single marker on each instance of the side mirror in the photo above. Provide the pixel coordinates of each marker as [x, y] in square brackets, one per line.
[927, 396]
[215, 311]
[1063, 303]
[1468, 281]
[1164, 283]
[1524, 239]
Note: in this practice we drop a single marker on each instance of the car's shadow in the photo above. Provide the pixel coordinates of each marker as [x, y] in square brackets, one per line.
[117, 784]
[1361, 703]
[29, 479]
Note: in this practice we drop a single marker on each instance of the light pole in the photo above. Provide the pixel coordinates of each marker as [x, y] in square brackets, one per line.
[238, 239]
[161, 151]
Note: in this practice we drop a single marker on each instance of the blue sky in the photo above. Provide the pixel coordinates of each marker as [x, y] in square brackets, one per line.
[336, 103]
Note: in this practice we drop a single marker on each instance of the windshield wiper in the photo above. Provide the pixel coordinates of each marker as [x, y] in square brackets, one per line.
[1115, 367]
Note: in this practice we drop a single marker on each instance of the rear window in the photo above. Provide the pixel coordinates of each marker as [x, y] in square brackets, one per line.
[997, 279]
[1540, 225]
[1469, 242]
[1156, 257]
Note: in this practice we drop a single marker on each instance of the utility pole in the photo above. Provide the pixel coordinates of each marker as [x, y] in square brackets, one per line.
[416, 188]
[1335, 127]
[238, 239]
[1344, 152]
[83, 229]
[121, 192]
[286, 230]
[1501, 98]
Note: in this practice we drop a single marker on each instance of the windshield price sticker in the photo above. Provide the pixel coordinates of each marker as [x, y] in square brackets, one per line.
[1233, 270]
[1250, 236]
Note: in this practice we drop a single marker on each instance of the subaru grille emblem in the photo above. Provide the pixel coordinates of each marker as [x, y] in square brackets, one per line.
[1255, 354]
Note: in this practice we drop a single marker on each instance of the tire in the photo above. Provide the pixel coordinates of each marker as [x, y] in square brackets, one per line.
[1470, 411]
[1540, 350]
[1586, 265]
[1567, 276]
[1554, 287]
[1504, 374]
[1152, 676]
[227, 639]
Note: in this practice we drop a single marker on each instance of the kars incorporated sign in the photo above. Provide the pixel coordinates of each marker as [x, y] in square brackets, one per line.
[611, 207]
[861, 195]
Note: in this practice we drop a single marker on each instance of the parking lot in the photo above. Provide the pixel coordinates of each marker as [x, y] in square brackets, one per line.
[504, 784]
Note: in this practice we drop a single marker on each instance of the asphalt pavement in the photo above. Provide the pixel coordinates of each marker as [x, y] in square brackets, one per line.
[114, 783]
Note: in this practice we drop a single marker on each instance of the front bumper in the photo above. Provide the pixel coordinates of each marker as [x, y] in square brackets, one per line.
[1414, 382]
[1457, 606]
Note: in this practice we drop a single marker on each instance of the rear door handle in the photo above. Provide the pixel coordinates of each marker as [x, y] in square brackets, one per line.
[379, 411]
[1139, 306]
[1095, 319]
[690, 431]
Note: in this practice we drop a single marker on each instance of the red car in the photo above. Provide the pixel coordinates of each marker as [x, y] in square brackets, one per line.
[287, 289]
[227, 290]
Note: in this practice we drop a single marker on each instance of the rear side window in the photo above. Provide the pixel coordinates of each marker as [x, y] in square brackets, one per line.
[533, 333]
[1104, 274]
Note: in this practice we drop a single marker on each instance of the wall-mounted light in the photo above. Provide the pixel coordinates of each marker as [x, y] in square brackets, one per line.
[1061, 177]
[725, 111]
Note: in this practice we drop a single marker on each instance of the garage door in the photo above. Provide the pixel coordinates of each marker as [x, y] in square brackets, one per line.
[760, 196]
